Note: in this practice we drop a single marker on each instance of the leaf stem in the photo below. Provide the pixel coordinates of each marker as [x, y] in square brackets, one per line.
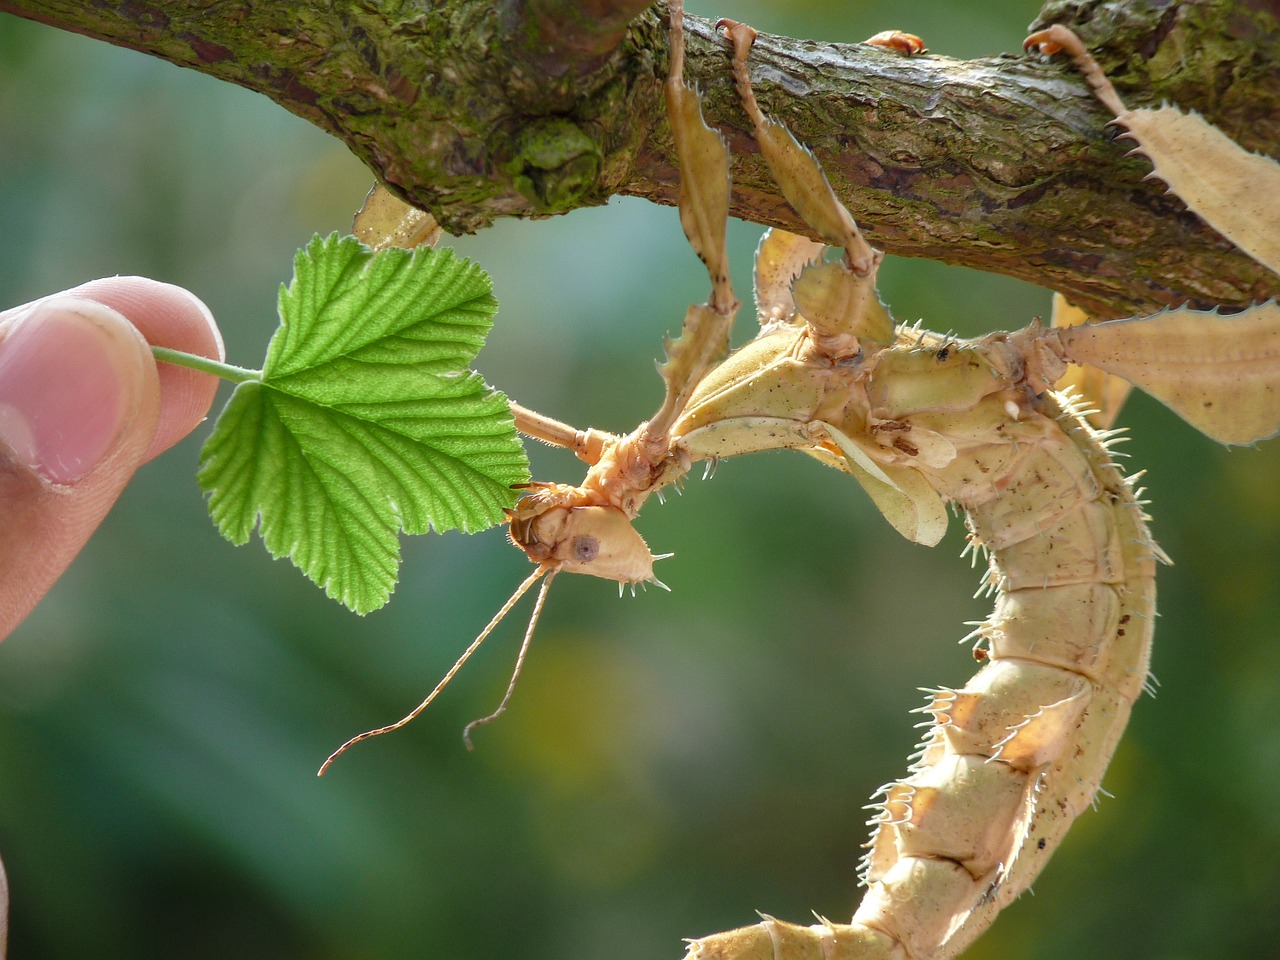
[205, 365]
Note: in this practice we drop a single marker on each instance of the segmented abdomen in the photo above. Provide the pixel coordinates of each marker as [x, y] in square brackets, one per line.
[1016, 754]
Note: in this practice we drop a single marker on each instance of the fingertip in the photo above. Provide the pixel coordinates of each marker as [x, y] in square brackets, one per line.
[82, 404]
[79, 401]
[167, 316]
[75, 379]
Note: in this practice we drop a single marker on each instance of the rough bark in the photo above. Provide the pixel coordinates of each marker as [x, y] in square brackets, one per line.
[1000, 163]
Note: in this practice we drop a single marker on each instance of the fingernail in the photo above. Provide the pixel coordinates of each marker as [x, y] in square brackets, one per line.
[68, 371]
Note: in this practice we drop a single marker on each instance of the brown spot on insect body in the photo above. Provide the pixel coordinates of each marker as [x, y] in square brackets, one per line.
[890, 426]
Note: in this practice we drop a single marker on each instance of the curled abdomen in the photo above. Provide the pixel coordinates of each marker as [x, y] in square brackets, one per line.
[1015, 755]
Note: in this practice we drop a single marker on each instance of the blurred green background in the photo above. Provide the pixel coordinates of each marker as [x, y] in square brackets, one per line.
[670, 763]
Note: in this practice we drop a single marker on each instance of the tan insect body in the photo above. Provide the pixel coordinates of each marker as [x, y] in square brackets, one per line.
[1009, 756]
[1014, 756]
[1010, 759]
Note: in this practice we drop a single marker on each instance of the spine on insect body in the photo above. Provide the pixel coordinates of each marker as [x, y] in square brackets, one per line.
[1010, 759]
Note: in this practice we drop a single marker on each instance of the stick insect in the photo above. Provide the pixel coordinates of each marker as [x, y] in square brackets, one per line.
[922, 421]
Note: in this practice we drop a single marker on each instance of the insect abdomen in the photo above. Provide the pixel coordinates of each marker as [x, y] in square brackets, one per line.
[1072, 567]
[1017, 753]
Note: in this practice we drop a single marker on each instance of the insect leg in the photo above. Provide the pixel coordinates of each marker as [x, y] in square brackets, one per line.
[1230, 188]
[586, 444]
[907, 44]
[837, 300]
[782, 255]
[704, 214]
[1219, 373]
[1103, 394]
[793, 167]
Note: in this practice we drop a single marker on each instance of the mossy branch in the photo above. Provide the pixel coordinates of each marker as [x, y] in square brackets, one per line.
[1000, 163]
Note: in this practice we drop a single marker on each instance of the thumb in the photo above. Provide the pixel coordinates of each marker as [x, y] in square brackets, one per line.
[79, 402]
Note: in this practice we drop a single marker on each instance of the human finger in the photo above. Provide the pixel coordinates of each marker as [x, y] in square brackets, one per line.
[82, 405]
[167, 316]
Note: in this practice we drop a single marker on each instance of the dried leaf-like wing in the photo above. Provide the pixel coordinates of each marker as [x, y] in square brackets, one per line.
[907, 500]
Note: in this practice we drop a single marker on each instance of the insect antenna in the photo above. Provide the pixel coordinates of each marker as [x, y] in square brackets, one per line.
[524, 649]
[547, 570]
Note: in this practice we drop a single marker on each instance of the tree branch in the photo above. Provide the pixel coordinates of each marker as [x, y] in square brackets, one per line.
[563, 36]
[1000, 163]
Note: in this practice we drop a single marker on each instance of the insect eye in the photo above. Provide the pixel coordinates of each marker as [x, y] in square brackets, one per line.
[585, 549]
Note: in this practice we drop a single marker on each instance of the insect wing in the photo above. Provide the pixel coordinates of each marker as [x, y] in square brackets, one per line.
[902, 494]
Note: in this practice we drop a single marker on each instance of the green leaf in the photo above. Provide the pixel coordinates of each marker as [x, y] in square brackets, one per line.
[367, 419]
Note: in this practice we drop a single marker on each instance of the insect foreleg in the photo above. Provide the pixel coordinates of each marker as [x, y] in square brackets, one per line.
[838, 301]
[703, 157]
[794, 169]
[588, 444]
